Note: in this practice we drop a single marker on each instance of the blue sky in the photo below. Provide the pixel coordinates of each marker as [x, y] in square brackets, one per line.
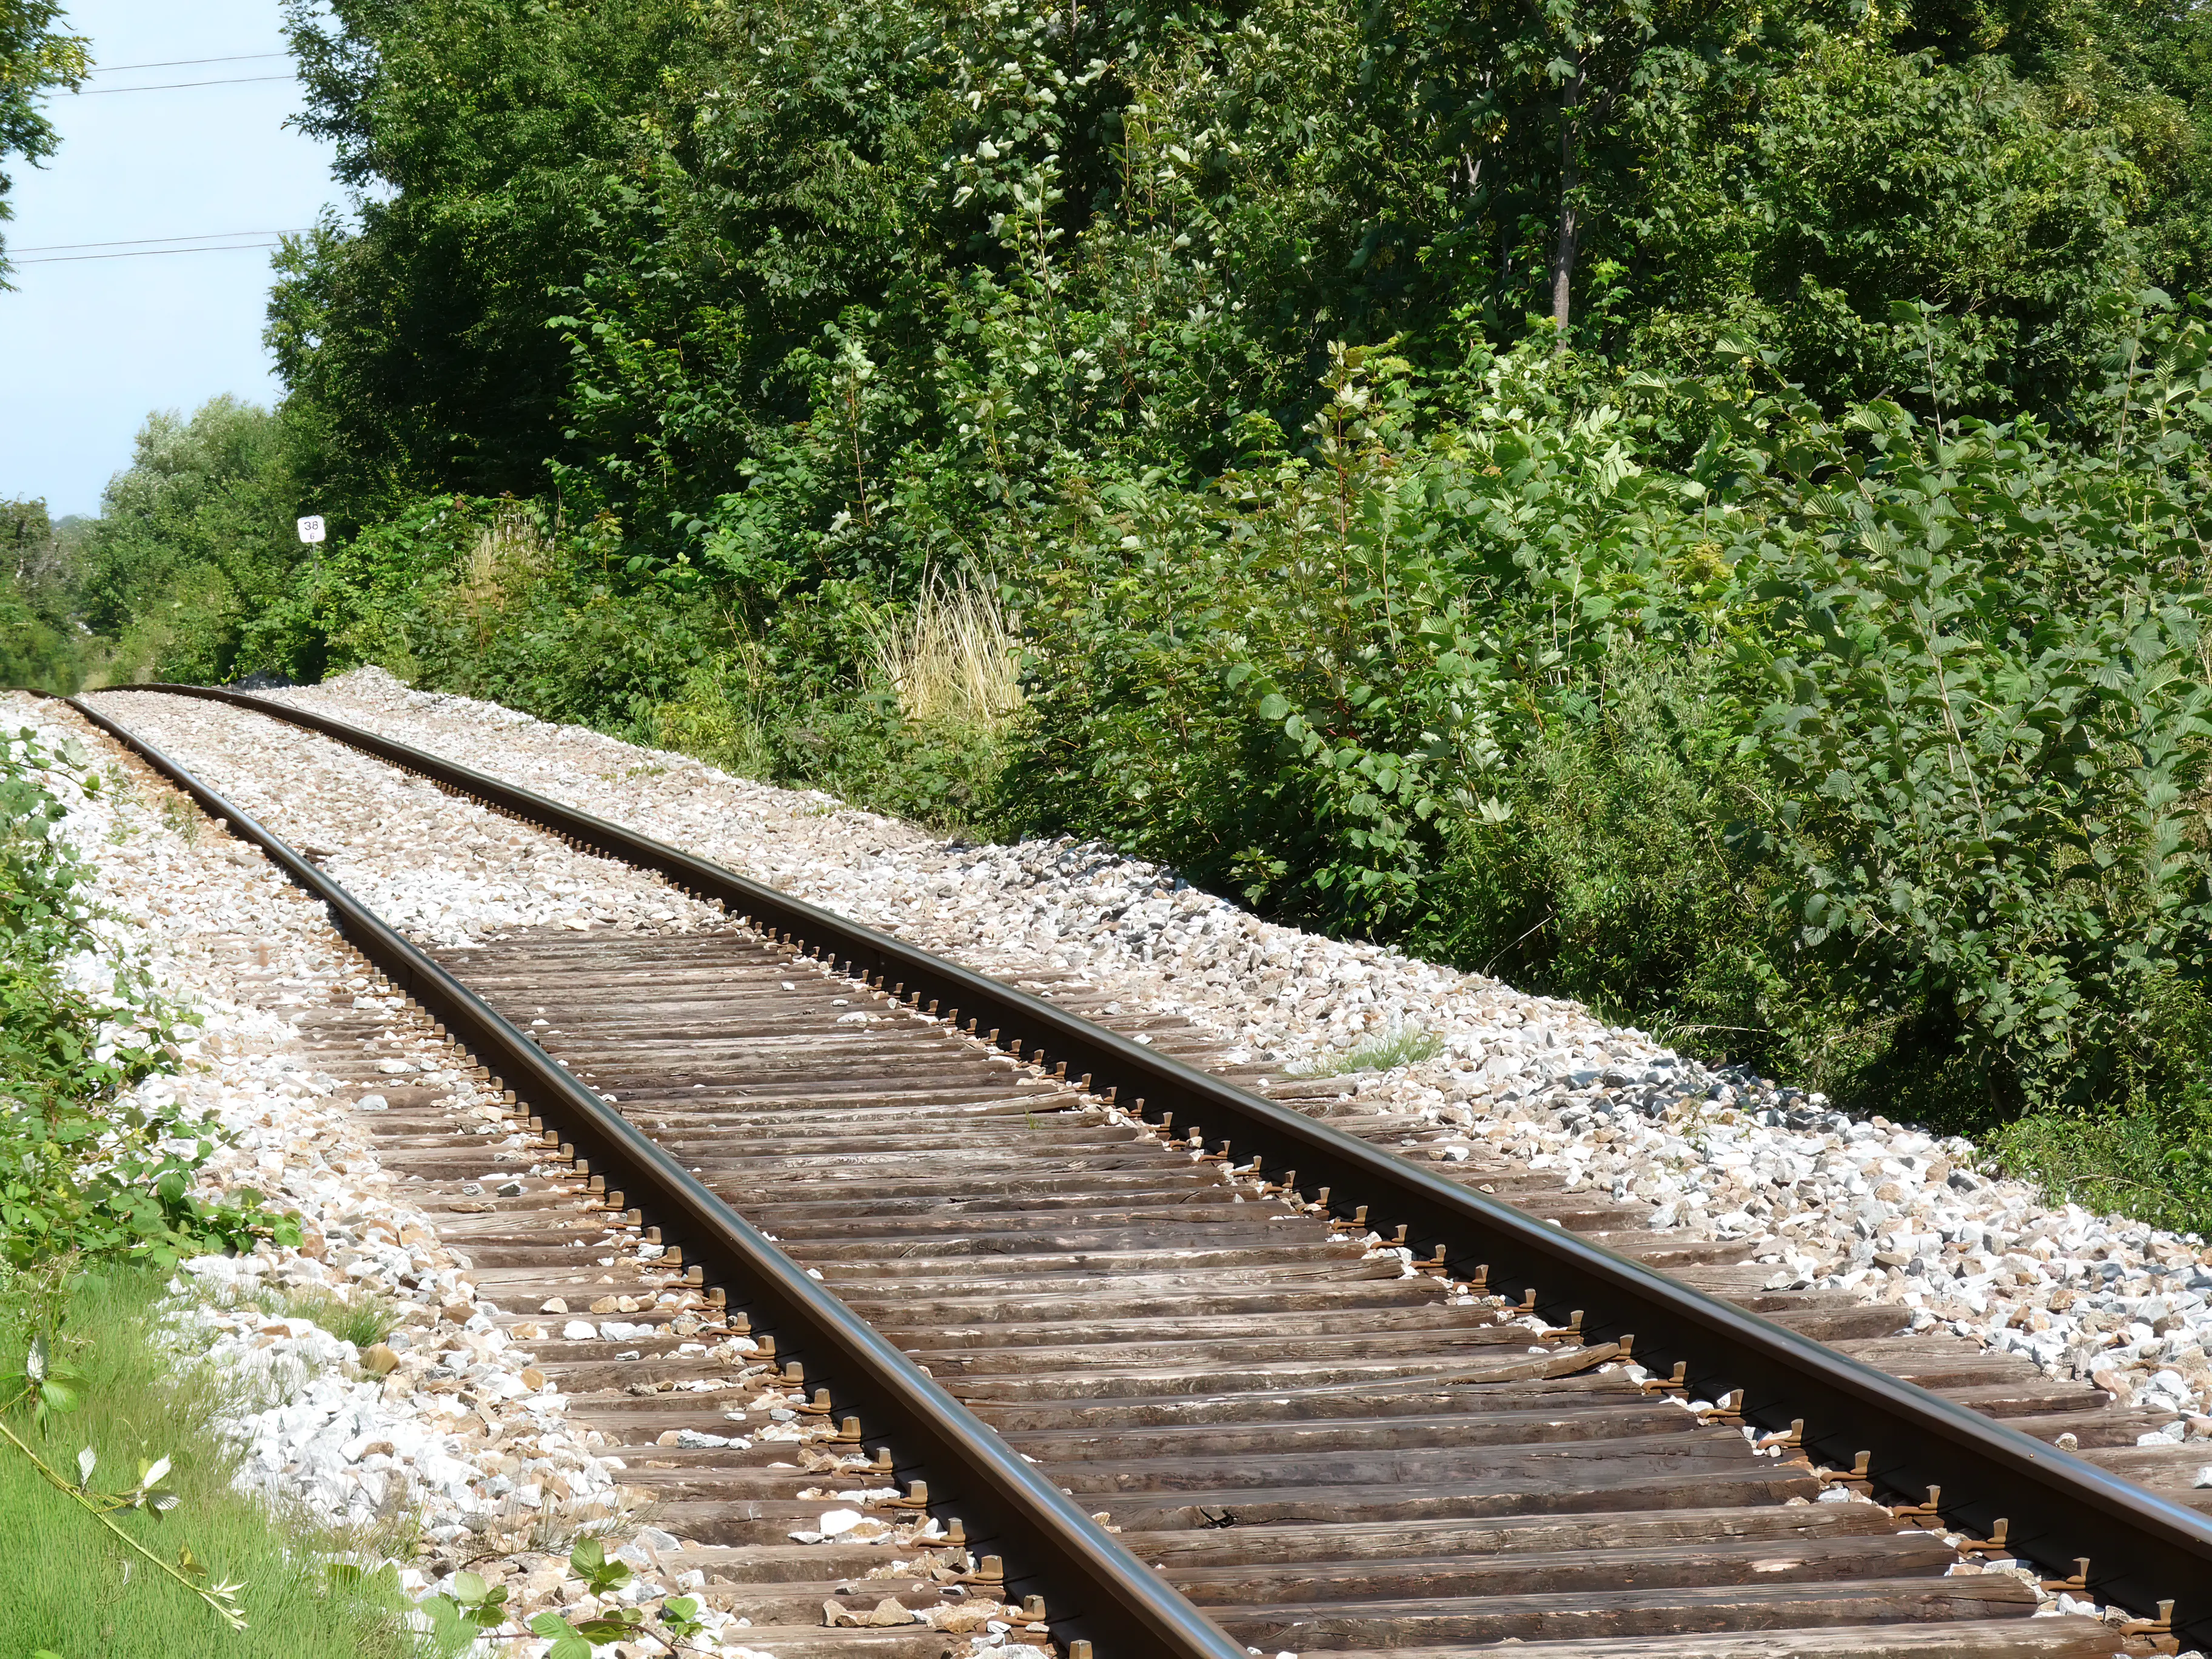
[89, 347]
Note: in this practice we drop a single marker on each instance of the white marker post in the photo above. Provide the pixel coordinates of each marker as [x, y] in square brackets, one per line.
[311, 529]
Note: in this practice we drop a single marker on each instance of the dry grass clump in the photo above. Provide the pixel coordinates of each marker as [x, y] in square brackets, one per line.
[953, 658]
[511, 552]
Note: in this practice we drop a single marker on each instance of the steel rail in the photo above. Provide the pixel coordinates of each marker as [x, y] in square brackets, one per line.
[1095, 1590]
[2144, 1549]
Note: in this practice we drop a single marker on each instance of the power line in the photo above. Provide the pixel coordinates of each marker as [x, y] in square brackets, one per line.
[173, 86]
[185, 62]
[146, 254]
[146, 241]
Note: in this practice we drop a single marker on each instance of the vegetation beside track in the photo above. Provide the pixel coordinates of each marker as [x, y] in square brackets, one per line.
[97, 1206]
[72, 1586]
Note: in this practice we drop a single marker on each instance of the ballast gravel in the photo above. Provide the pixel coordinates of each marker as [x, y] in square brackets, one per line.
[1882, 1209]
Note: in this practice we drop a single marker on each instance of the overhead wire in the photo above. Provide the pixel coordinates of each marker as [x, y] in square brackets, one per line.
[173, 86]
[147, 241]
[145, 253]
[218, 241]
[184, 63]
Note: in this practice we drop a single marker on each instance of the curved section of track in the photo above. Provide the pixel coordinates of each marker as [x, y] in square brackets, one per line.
[1307, 1442]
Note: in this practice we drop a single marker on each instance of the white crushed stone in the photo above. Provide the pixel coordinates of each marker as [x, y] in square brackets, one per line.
[1883, 1210]
[446, 871]
[338, 1443]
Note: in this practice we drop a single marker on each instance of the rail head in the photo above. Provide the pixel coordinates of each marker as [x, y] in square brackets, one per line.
[2146, 1548]
[1096, 1590]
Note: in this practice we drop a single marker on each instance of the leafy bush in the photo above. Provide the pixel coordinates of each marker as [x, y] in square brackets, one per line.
[1871, 751]
[1611, 877]
[485, 597]
[85, 1165]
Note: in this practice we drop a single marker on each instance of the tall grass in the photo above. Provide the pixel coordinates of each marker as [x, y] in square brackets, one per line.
[68, 1588]
[951, 659]
[507, 554]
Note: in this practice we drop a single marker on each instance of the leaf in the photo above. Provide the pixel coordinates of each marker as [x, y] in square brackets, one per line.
[446, 1622]
[1274, 707]
[35, 1366]
[87, 1461]
[470, 1588]
[568, 1643]
[612, 1625]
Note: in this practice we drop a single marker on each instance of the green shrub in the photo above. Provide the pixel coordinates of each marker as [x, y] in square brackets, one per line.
[1609, 876]
[85, 1166]
[1871, 752]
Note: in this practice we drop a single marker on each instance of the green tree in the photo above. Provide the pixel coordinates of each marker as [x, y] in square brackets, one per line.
[193, 567]
[38, 624]
[35, 57]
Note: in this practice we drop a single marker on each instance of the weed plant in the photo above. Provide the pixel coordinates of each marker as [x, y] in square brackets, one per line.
[86, 1167]
[363, 1319]
[1406, 1046]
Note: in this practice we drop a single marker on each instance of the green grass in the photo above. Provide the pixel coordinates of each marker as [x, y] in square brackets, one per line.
[363, 1319]
[1391, 1049]
[2139, 1164]
[68, 1587]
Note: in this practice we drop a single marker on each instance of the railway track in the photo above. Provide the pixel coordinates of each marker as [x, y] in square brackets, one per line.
[1062, 1292]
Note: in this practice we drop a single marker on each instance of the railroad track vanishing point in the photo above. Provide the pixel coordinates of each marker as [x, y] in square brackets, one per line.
[1132, 1328]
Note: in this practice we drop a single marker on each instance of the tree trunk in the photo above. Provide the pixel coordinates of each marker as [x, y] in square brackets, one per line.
[1571, 224]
